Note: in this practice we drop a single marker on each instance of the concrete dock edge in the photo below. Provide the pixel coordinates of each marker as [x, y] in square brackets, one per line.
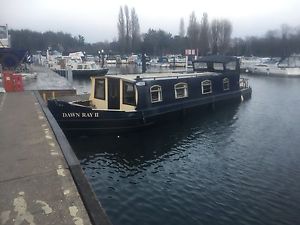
[93, 206]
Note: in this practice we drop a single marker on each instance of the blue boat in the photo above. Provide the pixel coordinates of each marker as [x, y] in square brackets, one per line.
[11, 58]
[125, 102]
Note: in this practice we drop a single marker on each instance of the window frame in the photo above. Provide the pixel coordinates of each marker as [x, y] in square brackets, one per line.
[96, 88]
[226, 79]
[218, 66]
[185, 90]
[200, 65]
[124, 101]
[159, 92]
[231, 66]
[203, 84]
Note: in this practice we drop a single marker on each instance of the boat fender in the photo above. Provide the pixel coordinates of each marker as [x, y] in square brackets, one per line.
[242, 98]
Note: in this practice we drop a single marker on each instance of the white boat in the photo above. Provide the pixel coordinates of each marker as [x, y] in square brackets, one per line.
[177, 61]
[77, 64]
[289, 66]
[246, 63]
[111, 60]
[133, 59]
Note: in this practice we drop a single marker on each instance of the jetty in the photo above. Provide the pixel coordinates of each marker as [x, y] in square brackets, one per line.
[41, 181]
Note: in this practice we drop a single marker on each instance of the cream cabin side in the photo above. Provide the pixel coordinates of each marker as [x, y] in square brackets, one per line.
[113, 93]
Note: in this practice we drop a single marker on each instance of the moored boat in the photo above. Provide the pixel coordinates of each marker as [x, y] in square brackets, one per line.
[77, 63]
[124, 102]
[286, 67]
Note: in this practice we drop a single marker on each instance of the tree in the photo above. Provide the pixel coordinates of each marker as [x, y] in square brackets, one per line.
[285, 31]
[220, 36]
[135, 30]
[215, 30]
[80, 40]
[157, 42]
[121, 30]
[193, 31]
[204, 35]
[128, 29]
[181, 28]
[225, 35]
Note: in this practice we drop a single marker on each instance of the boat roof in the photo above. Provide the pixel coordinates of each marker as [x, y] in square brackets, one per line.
[159, 76]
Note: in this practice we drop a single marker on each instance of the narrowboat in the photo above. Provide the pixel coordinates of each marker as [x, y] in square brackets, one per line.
[124, 102]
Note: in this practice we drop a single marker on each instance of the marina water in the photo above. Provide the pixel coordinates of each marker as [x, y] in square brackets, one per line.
[235, 165]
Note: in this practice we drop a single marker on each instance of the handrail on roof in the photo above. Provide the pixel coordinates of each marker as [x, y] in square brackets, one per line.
[176, 76]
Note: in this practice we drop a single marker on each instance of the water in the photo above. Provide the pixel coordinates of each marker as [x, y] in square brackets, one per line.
[237, 165]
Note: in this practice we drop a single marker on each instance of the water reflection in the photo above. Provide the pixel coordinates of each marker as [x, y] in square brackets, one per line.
[138, 175]
[155, 143]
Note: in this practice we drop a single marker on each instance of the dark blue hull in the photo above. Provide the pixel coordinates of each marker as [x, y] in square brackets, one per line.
[79, 118]
[11, 58]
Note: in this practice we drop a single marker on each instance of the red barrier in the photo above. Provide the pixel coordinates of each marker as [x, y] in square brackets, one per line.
[18, 82]
[12, 82]
[8, 82]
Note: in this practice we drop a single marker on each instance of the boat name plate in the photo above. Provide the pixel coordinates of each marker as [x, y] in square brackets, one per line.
[80, 115]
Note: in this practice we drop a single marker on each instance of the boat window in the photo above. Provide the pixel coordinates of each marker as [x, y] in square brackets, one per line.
[181, 90]
[128, 93]
[206, 87]
[225, 84]
[200, 65]
[218, 66]
[79, 67]
[231, 65]
[156, 93]
[100, 89]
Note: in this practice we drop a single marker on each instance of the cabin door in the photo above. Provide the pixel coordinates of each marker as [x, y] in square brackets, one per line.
[114, 93]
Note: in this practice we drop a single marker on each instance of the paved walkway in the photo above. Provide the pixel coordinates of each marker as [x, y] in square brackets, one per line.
[36, 186]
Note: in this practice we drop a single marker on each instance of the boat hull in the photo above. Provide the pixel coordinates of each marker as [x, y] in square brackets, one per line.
[74, 118]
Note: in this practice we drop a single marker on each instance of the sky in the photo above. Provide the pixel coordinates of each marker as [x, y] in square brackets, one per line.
[97, 20]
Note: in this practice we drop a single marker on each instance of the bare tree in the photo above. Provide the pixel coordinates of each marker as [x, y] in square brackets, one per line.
[215, 39]
[204, 35]
[128, 29]
[220, 35]
[285, 32]
[181, 28]
[193, 31]
[135, 30]
[121, 30]
[225, 35]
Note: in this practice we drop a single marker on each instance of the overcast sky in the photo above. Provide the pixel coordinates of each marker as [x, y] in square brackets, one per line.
[96, 20]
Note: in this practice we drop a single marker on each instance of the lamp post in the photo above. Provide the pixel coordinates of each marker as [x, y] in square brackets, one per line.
[102, 53]
[99, 55]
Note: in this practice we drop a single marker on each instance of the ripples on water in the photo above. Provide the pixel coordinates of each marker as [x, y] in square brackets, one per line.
[237, 165]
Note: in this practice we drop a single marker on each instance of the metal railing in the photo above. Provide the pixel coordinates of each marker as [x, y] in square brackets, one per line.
[244, 83]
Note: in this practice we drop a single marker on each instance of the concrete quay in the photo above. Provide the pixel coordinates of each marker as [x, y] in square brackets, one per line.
[41, 181]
